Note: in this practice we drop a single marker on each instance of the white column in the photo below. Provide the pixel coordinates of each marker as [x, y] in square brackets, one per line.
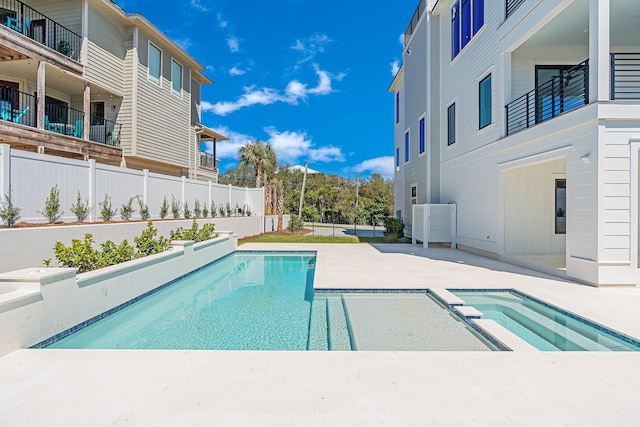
[41, 94]
[599, 50]
[87, 110]
[184, 185]
[5, 170]
[145, 186]
[92, 190]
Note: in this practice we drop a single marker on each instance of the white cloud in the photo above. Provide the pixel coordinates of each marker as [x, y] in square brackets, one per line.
[401, 39]
[395, 67]
[221, 22]
[309, 47]
[227, 149]
[293, 92]
[326, 154]
[197, 5]
[235, 71]
[381, 165]
[234, 44]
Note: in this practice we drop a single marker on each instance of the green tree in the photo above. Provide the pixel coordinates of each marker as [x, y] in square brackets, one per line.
[260, 156]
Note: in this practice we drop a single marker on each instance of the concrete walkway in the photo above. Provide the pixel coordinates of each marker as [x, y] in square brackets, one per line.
[201, 388]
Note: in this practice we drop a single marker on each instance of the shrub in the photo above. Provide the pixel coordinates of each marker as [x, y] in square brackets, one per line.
[106, 211]
[394, 226]
[148, 243]
[197, 235]
[52, 206]
[197, 209]
[295, 223]
[221, 210]
[175, 207]
[80, 254]
[205, 211]
[187, 211]
[126, 210]
[164, 208]
[228, 209]
[247, 210]
[144, 209]
[213, 209]
[81, 208]
[113, 254]
[9, 213]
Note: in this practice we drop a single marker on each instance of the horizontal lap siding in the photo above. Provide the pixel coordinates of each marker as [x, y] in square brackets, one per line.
[106, 52]
[125, 115]
[64, 12]
[163, 118]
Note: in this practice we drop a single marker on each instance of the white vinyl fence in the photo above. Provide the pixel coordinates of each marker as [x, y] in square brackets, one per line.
[434, 223]
[30, 176]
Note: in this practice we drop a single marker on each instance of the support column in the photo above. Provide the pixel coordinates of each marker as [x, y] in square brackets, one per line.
[41, 95]
[87, 110]
[599, 50]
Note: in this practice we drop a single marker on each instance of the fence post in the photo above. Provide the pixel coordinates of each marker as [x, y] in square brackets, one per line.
[92, 190]
[230, 194]
[184, 185]
[209, 201]
[5, 170]
[145, 186]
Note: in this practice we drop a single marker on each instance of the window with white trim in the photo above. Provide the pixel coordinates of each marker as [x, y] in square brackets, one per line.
[155, 63]
[176, 77]
[467, 17]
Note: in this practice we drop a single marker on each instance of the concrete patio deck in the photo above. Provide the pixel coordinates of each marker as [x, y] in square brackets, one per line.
[200, 388]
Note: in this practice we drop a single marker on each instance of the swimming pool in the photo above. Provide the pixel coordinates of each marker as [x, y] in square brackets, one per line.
[544, 326]
[266, 301]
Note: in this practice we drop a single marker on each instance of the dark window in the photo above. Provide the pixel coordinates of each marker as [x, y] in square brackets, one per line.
[422, 136]
[561, 206]
[451, 124]
[485, 101]
[97, 113]
[414, 194]
[406, 147]
[397, 107]
[466, 22]
[478, 15]
[56, 110]
[397, 157]
[455, 30]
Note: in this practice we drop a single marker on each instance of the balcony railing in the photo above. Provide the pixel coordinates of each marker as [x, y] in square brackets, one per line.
[413, 24]
[64, 120]
[104, 131]
[207, 160]
[17, 107]
[511, 6]
[625, 76]
[557, 96]
[33, 24]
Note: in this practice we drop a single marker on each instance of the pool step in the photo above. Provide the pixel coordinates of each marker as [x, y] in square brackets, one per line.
[337, 325]
[318, 336]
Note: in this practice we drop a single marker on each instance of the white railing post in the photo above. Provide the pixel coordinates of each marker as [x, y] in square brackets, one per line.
[230, 190]
[454, 230]
[91, 197]
[5, 170]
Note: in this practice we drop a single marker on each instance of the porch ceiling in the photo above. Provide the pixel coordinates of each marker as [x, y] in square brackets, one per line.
[571, 26]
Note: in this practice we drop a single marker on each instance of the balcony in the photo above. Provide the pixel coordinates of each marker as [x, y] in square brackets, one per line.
[561, 94]
[18, 117]
[625, 76]
[207, 161]
[413, 24]
[32, 24]
[511, 6]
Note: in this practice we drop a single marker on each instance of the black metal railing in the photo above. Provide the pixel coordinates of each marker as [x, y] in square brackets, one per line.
[511, 6]
[33, 24]
[64, 120]
[17, 107]
[413, 24]
[104, 131]
[625, 75]
[564, 93]
[207, 160]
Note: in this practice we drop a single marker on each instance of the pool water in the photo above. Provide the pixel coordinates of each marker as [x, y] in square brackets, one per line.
[544, 327]
[266, 301]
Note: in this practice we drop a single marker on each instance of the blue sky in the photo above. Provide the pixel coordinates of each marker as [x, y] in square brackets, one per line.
[309, 77]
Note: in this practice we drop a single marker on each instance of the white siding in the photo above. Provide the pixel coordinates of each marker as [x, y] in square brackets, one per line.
[126, 109]
[65, 12]
[106, 52]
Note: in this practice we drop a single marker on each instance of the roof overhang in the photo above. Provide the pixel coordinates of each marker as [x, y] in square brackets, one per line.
[208, 133]
[397, 80]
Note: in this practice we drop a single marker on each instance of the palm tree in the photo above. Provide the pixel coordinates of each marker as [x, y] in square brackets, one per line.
[261, 157]
[252, 153]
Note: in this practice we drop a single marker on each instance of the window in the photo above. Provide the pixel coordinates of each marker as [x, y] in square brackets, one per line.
[176, 77]
[561, 206]
[406, 147]
[97, 113]
[484, 95]
[467, 17]
[451, 124]
[414, 194]
[155, 63]
[397, 107]
[422, 136]
[397, 158]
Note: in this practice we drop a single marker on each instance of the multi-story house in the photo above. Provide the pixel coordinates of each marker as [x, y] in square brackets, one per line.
[84, 79]
[526, 114]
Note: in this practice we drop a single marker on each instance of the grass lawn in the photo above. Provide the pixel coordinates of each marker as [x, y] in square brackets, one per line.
[284, 238]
